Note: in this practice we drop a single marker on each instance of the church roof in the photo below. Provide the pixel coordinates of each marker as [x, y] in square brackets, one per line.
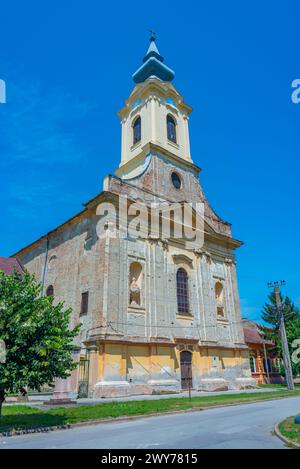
[153, 66]
[10, 264]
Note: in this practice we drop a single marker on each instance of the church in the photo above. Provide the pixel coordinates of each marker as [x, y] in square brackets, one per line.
[156, 315]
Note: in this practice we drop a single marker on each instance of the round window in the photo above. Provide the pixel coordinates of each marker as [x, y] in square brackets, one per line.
[176, 180]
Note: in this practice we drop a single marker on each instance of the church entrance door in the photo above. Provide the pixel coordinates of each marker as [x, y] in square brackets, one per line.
[186, 370]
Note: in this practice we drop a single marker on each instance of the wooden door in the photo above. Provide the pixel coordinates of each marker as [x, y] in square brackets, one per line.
[186, 370]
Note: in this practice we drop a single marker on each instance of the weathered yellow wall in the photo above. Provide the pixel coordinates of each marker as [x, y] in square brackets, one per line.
[113, 362]
[163, 362]
[138, 362]
[142, 363]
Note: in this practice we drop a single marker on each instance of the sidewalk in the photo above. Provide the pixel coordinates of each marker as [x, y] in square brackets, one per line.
[86, 401]
[142, 397]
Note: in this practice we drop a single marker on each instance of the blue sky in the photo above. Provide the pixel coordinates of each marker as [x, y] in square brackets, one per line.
[68, 66]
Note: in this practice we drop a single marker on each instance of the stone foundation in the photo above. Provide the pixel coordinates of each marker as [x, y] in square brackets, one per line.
[120, 389]
[244, 383]
[124, 388]
[165, 386]
[213, 384]
[221, 384]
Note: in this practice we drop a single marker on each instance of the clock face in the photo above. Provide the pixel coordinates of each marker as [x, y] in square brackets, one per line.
[176, 181]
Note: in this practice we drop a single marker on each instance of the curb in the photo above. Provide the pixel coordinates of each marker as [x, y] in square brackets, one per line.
[86, 423]
[284, 438]
[126, 418]
[26, 431]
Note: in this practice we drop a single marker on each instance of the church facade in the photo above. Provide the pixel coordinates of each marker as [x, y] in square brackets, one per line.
[156, 314]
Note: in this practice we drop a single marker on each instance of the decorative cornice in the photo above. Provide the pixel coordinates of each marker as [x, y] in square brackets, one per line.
[164, 244]
[159, 152]
[203, 254]
[229, 261]
[182, 258]
[157, 87]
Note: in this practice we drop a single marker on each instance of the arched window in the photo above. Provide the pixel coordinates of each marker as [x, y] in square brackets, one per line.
[171, 128]
[219, 295]
[50, 291]
[137, 130]
[182, 291]
[252, 363]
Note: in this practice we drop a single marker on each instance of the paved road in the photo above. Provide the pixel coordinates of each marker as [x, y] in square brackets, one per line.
[241, 426]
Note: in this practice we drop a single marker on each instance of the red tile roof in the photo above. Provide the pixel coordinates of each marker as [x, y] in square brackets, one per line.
[253, 336]
[10, 264]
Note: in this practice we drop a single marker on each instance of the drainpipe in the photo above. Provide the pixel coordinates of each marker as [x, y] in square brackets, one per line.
[45, 265]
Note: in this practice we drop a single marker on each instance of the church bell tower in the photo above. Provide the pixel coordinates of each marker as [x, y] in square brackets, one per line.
[154, 114]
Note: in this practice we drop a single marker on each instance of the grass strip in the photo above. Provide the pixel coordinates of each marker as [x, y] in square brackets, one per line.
[290, 429]
[20, 417]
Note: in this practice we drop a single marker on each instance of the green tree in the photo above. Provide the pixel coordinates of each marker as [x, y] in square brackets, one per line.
[292, 324]
[36, 334]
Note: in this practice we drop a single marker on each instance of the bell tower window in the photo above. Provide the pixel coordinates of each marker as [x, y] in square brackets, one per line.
[137, 127]
[171, 129]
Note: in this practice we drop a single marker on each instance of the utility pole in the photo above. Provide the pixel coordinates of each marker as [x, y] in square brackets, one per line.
[284, 342]
[266, 362]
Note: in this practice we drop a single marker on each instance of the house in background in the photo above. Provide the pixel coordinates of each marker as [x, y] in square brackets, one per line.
[9, 264]
[264, 363]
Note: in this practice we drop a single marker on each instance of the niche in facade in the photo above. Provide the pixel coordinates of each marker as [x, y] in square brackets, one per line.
[219, 295]
[135, 284]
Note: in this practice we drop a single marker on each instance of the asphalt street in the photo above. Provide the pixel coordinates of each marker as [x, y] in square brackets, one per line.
[240, 426]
